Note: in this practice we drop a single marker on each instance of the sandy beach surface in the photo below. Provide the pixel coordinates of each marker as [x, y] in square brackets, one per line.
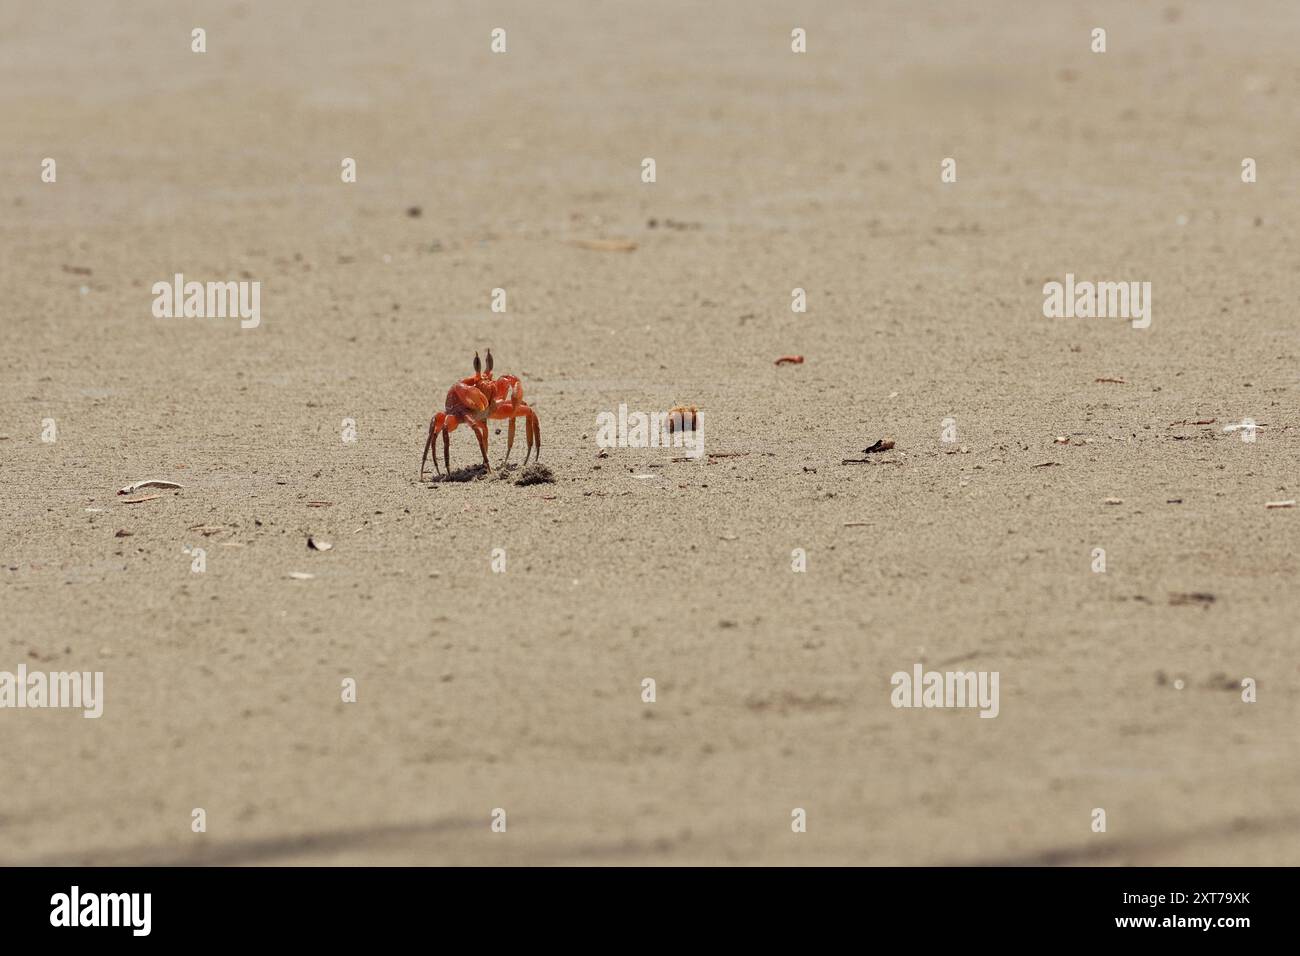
[477, 690]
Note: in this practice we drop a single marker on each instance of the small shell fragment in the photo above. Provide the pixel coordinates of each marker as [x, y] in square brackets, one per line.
[147, 483]
[605, 245]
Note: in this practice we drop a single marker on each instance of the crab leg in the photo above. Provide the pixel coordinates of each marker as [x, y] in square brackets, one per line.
[430, 443]
[537, 435]
[512, 411]
[480, 432]
[448, 427]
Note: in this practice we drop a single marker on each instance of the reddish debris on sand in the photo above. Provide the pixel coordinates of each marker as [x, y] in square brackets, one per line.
[790, 360]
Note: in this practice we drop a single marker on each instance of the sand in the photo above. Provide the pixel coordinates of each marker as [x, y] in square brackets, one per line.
[522, 690]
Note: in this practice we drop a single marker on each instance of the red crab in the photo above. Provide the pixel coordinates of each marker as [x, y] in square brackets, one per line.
[473, 401]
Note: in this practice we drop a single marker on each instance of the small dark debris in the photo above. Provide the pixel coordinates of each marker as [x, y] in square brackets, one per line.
[536, 474]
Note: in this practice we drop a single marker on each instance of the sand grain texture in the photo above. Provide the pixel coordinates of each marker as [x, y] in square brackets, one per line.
[522, 690]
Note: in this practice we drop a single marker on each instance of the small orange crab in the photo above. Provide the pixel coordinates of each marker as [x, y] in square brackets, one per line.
[474, 400]
[682, 418]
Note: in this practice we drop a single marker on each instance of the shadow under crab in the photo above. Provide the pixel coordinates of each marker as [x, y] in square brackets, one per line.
[468, 473]
[533, 474]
